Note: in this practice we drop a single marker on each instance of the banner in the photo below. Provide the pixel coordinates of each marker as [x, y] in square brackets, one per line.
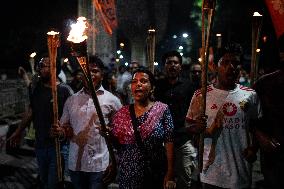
[107, 14]
[276, 9]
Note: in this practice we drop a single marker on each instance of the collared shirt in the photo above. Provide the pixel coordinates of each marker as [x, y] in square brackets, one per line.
[88, 150]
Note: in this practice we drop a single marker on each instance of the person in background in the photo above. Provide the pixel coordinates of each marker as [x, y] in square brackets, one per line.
[243, 78]
[127, 85]
[77, 82]
[270, 134]
[176, 93]
[40, 113]
[195, 76]
[231, 111]
[151, 145]
[88, 154]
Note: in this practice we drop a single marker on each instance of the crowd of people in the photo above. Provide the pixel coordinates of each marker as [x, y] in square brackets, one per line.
[154, 124]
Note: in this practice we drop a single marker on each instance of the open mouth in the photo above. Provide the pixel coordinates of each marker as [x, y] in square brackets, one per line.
[137, 91]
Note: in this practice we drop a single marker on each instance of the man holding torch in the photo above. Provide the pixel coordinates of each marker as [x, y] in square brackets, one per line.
[40, 112]
[231, 109]
[88, 152]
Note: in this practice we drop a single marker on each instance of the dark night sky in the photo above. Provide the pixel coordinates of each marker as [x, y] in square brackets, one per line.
[233, 18]
[28, 21]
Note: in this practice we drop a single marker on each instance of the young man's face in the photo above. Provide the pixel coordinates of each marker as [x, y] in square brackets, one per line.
[172, 67]
[228, 69]
[97, 76]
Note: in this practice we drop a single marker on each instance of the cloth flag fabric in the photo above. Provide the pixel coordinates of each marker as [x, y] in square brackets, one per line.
[107, 14]
[276, 10]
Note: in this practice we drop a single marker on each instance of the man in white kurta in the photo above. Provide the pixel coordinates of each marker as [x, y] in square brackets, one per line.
[88, 152]
[80, 112]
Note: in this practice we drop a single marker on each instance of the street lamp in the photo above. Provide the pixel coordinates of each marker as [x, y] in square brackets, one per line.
[121, 45]
[184, 35]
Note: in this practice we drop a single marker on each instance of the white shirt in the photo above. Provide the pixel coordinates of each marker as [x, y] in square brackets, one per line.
[237, 107]
[79, 111]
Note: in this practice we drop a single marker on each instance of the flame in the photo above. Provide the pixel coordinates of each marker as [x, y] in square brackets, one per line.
[32, 55]
[78, 30]
[256, 14]
[52, 33]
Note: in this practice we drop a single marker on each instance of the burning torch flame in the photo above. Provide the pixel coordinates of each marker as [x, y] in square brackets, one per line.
[256, 14]
[77, 32]
[52, 33]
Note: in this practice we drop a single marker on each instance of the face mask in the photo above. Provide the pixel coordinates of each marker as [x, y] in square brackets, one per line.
[242, 79]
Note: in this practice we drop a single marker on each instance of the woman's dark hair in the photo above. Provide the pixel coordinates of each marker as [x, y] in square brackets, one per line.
[149, 73]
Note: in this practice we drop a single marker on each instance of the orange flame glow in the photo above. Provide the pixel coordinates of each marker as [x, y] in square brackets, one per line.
[52, 33]
[78, 31]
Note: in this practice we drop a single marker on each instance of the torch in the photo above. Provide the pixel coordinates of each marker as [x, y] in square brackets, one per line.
[78, 38]
[151, 42]
[208, 8]
[32, 62]
[53, 43]
[256, 28]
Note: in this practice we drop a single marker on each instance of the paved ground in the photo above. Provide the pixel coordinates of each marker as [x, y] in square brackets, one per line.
[19, 171]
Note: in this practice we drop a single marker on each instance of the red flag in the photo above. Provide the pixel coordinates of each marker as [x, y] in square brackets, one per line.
[107, 14]
[276, 9]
